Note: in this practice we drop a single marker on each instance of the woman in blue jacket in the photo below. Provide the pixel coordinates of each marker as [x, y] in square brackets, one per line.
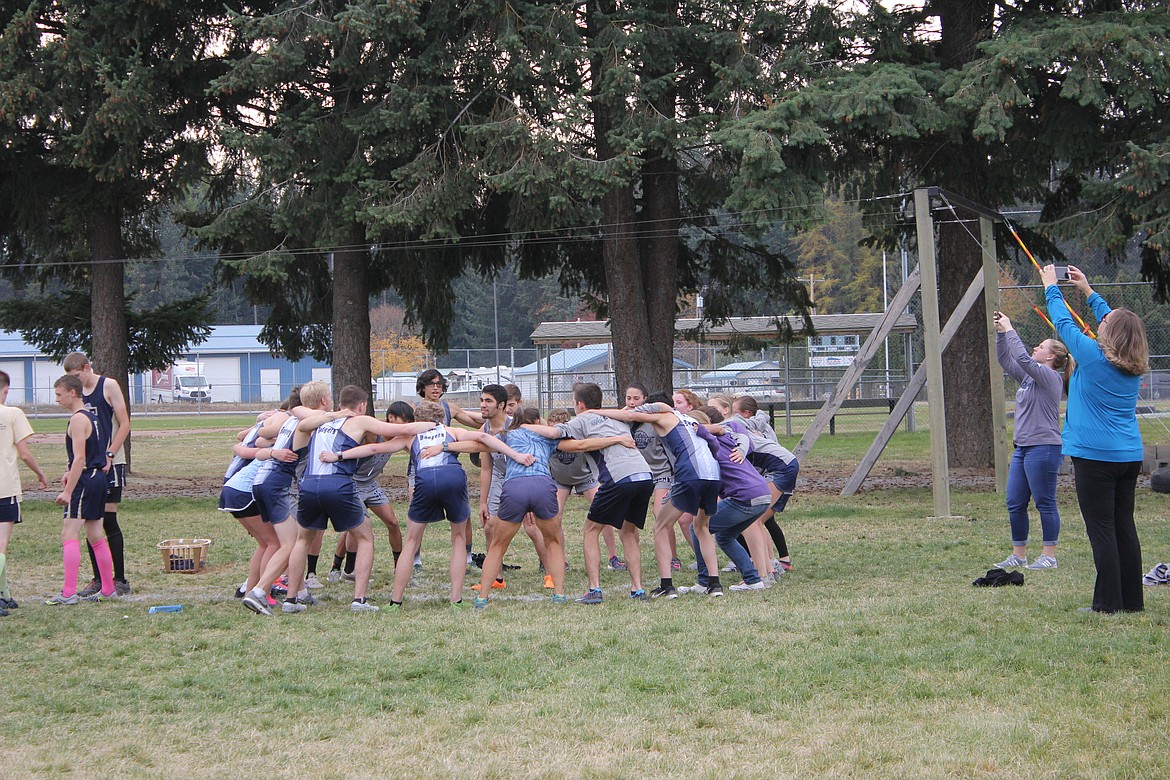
[1102, 437]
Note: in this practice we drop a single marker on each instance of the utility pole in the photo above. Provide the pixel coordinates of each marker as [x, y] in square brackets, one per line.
[812, 298]
[812, 290]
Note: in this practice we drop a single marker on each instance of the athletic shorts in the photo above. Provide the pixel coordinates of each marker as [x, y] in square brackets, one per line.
[664, 483]
[117, 477]
[784, 478]
[522, 495]
[9, 510]
[440, 493]
[88, 500]
[494, 494]
[329, 499]
[238, 503]
[581, 489]
[696, 495]
[371, 494]
[274, 500]
[617, 503]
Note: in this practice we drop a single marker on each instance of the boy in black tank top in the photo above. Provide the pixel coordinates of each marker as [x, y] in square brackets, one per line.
[83, 494]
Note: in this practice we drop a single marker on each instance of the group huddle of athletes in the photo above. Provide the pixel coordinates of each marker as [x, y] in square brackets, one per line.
[716, 471]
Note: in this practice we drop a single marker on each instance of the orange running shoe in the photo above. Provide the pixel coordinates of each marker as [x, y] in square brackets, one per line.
[548, 583]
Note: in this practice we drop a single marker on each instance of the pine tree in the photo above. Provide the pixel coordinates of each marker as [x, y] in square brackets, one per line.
[105, 116]
[1058, 103]
[345, 97]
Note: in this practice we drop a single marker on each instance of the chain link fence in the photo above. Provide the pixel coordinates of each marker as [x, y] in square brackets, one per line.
[792, 381]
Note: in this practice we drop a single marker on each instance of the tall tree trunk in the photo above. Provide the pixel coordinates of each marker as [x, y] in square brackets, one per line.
[638, 350]
[351, 314]
[636, 358]
[111, 352]
[659, 261]
[966, 373]
[662, 212]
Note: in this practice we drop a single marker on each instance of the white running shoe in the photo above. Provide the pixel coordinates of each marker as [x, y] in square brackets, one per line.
[256, 604]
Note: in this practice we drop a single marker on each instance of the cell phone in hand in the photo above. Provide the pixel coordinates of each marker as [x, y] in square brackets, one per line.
[1061, 272]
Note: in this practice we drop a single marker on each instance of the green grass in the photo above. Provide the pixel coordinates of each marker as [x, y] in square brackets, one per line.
[56, 423]
[874, 658]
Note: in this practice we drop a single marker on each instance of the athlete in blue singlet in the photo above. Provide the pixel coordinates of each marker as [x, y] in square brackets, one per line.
[440, 485]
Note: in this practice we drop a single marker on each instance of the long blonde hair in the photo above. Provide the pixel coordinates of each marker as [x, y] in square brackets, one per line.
[1124, 342]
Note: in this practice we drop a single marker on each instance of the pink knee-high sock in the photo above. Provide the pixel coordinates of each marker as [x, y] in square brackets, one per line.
[105, 564]
[71, 552]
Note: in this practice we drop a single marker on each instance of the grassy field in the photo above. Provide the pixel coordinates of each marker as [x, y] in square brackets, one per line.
[873, 658]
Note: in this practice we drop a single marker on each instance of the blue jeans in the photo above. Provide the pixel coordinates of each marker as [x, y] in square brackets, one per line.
[730, 520]
[1032, 476]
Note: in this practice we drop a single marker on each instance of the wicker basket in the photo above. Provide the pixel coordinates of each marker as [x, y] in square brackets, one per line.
[184, 556]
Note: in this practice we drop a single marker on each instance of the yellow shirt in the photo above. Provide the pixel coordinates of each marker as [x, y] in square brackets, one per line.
[14, 428]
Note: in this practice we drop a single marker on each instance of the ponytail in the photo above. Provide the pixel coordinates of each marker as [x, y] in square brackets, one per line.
[1063, 362]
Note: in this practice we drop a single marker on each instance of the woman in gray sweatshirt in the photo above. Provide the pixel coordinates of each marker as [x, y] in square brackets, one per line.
[1043, 377]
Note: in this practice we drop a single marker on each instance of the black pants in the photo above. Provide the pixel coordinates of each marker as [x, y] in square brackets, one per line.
[1105, 492]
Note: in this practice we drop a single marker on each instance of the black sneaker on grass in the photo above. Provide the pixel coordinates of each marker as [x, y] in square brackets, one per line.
[664, 593]
[93, 587]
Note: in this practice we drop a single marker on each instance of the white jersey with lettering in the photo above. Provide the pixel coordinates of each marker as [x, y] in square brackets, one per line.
[437, 435]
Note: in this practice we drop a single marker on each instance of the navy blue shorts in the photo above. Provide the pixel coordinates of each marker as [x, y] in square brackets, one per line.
[9, 510]
[617, 503]
[329, 499]
[117, 478]
[275, 501]
[695, 495]
[440, 493]
[238, 503]
[88, 500]
[784, 478]
[536, 494]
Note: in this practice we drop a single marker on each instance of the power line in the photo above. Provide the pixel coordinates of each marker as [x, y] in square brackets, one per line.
[572, 234]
